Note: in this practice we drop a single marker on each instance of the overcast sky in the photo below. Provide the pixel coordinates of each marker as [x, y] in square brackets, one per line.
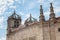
[24, 8]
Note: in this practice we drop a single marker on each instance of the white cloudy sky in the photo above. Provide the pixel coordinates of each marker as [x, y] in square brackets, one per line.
[24, 8]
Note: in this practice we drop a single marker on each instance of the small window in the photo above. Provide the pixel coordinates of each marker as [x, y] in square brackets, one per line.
[16, 24]
[58, 29]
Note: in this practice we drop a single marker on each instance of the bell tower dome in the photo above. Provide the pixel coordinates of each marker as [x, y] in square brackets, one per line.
[30, 20]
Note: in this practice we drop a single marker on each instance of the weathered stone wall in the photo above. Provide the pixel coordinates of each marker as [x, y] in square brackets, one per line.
[33, 31]
[37, 32]
[57, 32]
[46, 33]
[52, 32]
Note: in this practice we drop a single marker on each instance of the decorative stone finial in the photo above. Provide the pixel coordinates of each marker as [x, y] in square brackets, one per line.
[41, 13]
[51, 4]
[40, 6]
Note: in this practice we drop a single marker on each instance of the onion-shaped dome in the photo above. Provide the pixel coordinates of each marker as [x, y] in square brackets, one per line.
[30, 20]
[15, 16]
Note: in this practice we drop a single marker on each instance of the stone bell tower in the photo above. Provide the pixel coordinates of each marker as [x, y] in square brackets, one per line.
[13, 22]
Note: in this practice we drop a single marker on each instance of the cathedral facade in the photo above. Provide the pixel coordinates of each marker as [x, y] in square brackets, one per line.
[33, 29]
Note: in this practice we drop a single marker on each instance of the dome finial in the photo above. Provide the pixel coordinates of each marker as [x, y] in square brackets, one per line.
[14, 12]
[30, 16]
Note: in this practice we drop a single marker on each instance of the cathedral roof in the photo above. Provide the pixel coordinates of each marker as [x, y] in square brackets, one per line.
[15, 16]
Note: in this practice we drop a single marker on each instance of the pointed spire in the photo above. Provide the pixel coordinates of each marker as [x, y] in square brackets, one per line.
[41, 13]
[41, 10]
[52, 14]
[51, 8]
